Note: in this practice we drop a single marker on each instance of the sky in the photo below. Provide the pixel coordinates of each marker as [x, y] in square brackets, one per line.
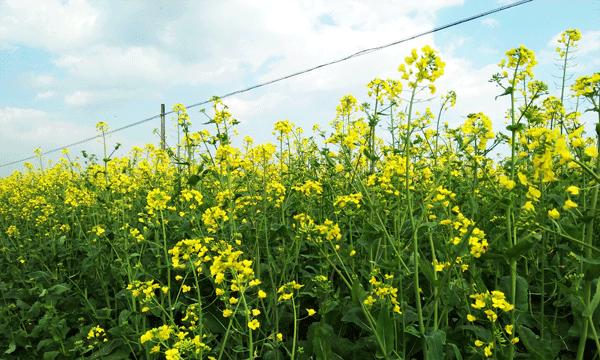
[67, 64]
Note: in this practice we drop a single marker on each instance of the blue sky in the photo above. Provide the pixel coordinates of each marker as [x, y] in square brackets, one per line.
[67, 64]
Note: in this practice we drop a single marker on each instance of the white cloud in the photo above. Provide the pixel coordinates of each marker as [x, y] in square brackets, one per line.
[54, 25]
[25, 128]
[590, 42]
[490, 22]
[585, 54]
[43, 81]
[121, 53]
[44, 95]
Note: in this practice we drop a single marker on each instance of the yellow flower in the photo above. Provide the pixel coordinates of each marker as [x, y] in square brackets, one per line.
[479, 343]
[279, 336]
[505, 182]
[569, 204]
[157, 199]
[283, 126]
[487, 351]
[553, 214]
[528, 206]
[515, 340]
[369, 300]
[185, 288]
[491, 315]
[311, 312]
[101, 126]
[533, 193]
[227, 313]
[172, 354]
[471, 318]
[573, 190]
[233, 300]
[98, 230]
[255, 312]
[164, 332]
[591, 151]
[262, 294]
[254, 324]
[148, 336]
[509, 329]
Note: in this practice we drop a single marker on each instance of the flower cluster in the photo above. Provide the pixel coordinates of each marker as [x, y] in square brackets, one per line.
[383, 291]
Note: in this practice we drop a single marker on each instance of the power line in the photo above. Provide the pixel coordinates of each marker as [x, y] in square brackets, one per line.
[298, 73]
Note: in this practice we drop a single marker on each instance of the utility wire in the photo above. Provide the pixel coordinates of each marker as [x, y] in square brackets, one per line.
[298, 73]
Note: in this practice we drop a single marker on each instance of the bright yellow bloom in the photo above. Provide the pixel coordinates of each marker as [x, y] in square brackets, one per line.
[569, 204]
[254, 324]
[172, 354]
[157, 199]
[311, 312]
[148, 336]
[528, 206]
[553, 214]
[487, 351]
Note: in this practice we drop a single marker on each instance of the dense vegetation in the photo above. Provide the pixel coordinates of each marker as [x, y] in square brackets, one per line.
[344, 244]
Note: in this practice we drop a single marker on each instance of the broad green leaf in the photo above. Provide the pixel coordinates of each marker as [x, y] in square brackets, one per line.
[385, 330]
[435, 344]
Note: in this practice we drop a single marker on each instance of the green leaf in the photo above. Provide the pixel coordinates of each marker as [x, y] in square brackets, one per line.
[59, 289]
[320, 335]
[11, 348]
[542, 349]
[427, 269]
[123, 316]
[51, 355]
[521, 248]
[435, 344]
[589, 311]
[516, 127]
[355, 315]
[193, 180]
[274, 354]
[385, 330]
[522, 299]
[457, 354]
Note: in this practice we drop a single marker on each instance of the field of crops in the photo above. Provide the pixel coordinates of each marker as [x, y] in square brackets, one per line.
[390, 235]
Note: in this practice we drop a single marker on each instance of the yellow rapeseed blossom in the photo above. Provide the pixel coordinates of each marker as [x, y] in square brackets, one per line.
[254, 324]
[157, 200]
[553, 214]
[569, 204]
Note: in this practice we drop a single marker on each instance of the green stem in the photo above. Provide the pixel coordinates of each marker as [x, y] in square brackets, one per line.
[589, 239]
[167, 263]
[415, 239]
[295, 337]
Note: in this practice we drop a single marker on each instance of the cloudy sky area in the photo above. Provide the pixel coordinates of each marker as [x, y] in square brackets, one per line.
[67, 64]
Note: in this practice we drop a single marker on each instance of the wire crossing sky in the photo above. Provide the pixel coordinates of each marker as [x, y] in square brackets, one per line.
[298, 73]
[107, 62]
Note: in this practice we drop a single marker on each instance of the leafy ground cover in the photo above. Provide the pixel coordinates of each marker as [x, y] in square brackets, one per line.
[389, 236]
